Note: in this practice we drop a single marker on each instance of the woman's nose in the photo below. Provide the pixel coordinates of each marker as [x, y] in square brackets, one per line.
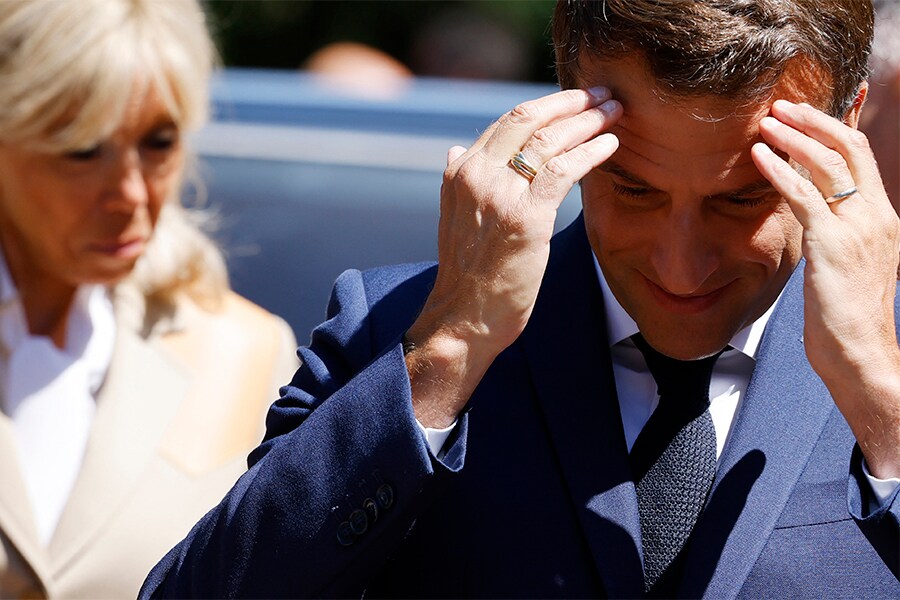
[128, 183]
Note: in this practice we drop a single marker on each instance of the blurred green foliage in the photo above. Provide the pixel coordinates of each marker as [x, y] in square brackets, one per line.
[283, 34]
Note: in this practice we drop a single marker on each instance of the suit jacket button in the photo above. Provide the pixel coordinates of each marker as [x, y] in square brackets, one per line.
[345, 534]
[371, 509]
[359, 522]
[385, 496]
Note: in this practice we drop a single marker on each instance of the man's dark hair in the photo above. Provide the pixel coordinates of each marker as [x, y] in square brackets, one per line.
[731, 48]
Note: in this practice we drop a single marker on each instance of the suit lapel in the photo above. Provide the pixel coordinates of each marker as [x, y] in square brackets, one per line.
[568, 356]
[16, 518]
[144, 387]
[781, 418]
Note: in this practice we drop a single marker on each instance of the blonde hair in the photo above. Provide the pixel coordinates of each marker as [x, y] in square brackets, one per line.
[67, 71]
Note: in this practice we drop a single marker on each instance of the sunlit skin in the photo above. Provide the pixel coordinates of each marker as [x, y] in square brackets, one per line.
[85, 216]
[693, 240]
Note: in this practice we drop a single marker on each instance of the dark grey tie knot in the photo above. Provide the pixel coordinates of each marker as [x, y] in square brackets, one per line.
[683, 379]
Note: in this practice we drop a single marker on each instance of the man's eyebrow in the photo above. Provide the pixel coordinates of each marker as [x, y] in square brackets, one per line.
[614, 169]
[757, 188]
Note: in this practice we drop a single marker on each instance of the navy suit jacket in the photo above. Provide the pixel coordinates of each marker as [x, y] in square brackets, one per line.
[533, 495]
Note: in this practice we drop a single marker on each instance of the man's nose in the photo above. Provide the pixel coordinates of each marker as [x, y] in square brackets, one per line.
[685, 252]
[128, 185]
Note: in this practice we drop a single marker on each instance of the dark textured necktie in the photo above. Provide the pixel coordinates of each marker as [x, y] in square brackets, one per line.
[674, 463]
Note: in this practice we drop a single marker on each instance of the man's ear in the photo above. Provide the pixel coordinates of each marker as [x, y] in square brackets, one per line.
[852, 117]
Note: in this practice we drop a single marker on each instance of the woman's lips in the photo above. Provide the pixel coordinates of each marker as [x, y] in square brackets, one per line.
[689, 304]
[120, 249]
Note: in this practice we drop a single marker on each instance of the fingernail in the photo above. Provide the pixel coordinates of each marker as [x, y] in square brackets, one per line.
[764, 148]
[599, 92]
[784, 104]
[768, 154]
[770, 123]
[610, 106]
[610, 140]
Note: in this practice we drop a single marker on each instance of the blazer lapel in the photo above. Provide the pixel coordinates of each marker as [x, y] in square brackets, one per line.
[144, 387]
[568, 356]
[16, 518]
[781, 418]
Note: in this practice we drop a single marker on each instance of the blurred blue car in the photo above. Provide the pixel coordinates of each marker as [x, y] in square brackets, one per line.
[307, 180]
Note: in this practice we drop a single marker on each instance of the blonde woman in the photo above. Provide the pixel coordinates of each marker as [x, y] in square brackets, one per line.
[132, 381]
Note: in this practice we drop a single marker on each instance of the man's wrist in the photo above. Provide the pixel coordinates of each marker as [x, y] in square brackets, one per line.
[871, 406]
[444, 370]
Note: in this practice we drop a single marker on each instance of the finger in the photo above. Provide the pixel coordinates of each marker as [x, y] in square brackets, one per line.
[517, 126]
[561, 172]
[566, 134]
[801, 194]
[828, 169]
[477, 145]
[454, 153]
[850, 143]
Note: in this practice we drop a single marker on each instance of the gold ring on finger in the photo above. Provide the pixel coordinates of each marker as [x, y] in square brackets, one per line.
[521, 166]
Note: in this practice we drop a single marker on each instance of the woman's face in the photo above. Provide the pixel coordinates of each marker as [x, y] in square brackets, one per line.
[87, 216]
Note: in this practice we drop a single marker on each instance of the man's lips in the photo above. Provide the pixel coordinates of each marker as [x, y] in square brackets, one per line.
[689, 304]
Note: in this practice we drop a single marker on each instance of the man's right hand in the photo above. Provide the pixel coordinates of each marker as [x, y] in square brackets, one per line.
[494, 240]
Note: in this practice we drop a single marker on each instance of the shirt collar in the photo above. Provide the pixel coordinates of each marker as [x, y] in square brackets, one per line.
[91, 331]
[621, 326]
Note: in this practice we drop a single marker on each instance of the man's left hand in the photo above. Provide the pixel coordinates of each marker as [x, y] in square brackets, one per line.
[851, 242]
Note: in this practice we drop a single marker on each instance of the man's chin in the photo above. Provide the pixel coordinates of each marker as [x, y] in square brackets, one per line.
[685, 343]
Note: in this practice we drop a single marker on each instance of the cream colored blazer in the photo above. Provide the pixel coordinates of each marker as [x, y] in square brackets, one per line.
[183, 403]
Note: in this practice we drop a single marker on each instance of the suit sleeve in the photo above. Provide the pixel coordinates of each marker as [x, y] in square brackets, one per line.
[336, 484]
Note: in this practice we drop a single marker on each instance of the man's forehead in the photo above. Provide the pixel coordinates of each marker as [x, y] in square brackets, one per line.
[700, 142]
[632, 83]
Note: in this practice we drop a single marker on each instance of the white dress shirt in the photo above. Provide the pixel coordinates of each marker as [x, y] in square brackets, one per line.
[49, 394]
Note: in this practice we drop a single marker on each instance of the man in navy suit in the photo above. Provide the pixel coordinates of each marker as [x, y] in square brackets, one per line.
[469, 429]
